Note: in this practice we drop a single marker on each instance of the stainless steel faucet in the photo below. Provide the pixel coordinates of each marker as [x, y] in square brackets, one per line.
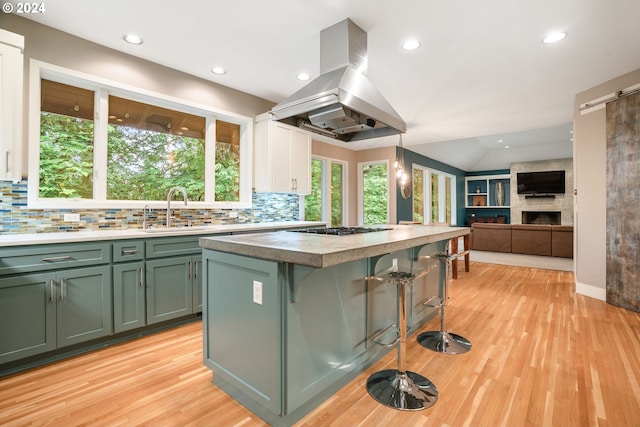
[145, 212]
[169, 195]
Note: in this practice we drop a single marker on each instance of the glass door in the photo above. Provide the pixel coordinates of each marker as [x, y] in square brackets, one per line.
[326, 201]
[373, 193]
[433, 196]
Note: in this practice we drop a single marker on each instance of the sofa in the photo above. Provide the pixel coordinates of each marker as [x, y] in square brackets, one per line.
[530, 239]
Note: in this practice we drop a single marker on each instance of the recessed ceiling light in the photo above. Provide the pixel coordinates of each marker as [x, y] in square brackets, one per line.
[219, 71]
[507, 146]
[554, 37]
[133, 39]
[411, 44]
[303, 76]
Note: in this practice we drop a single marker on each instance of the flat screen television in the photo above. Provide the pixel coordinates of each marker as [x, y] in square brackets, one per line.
[547, 182]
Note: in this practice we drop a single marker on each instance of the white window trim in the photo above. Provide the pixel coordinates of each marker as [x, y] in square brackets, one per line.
[39, 69]
[325, 209]
[361, 189]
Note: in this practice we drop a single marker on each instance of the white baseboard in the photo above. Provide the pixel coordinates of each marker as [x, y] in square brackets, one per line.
[591, 291]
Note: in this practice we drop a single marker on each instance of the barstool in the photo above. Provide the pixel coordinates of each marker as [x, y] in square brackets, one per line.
[399, 388]
[443, 341]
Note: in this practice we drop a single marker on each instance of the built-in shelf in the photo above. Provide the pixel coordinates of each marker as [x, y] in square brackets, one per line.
[480, 191]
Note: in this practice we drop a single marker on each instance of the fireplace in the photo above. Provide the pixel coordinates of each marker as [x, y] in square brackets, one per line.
[541, 217]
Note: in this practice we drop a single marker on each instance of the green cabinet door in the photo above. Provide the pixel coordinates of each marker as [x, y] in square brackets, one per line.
[27, 316]
[84, 309]
[129, 308]
[169, 288]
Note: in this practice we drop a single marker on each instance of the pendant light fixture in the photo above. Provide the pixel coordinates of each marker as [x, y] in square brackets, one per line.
[401, 173]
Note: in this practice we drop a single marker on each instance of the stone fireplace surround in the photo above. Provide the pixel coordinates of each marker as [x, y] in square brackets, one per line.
[561, 203]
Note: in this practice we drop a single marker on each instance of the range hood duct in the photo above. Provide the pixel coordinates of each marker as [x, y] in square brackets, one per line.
[341, 102]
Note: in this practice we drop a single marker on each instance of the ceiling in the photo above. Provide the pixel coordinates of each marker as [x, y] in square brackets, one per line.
[481, 79]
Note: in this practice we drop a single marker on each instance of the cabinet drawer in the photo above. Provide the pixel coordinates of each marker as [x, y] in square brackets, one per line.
[172, 246]
[128, 250]
[17, 260]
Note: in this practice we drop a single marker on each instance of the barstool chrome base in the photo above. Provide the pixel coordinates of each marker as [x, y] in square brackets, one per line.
[406, 391]
[444, 342]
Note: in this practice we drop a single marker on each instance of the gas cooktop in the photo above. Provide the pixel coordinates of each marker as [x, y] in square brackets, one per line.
[341, 231]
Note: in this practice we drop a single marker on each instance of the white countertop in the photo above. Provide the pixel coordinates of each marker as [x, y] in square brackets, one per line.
[320, 250]
[136, 233]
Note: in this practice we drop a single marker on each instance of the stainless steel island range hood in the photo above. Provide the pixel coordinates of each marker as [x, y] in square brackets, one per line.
[341, 103]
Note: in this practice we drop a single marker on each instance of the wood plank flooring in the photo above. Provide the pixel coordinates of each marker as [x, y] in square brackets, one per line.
[541, 356]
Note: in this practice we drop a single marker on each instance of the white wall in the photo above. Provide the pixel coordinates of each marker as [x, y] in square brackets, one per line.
[590, 171]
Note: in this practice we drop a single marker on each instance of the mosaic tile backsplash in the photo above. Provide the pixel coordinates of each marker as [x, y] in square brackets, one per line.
[17, 218]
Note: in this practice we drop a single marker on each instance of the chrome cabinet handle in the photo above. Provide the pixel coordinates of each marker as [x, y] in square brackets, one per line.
[128, 251]
[62, 285]
[141, 277]
[195, 274]
[51, 291]
[56, 258]
[190, 270]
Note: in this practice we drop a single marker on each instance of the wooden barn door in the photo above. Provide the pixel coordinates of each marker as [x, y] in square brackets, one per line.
[623, 202]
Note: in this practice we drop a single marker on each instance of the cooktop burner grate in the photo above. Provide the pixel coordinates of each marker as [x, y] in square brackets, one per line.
[341, 231]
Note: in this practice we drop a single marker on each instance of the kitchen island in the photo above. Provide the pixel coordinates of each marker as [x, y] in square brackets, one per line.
[288, 317]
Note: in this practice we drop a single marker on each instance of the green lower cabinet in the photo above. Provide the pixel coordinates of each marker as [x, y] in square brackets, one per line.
[129, 307]
[84, 309]
[42, 312]
[27, 316]
[170, 286]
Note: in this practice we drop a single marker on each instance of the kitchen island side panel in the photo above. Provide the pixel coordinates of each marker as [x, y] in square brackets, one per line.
[242, 338]
[326, 328]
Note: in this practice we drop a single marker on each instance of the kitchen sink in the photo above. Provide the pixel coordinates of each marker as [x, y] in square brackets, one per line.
[176, 229]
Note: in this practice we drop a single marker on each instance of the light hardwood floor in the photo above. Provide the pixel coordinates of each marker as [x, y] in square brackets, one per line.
[541, 356]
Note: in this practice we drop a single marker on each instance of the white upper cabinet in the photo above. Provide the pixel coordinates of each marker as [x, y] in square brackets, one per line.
[282, 158]
[11, 94]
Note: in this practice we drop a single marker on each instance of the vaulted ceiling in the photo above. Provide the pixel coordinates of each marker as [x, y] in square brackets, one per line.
[481, 80]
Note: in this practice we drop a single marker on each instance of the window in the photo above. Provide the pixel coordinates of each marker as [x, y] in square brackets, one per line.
[337, 194]
[313, 201]
[374, 193]
[99, 145]
[418, 194]
[66, 141]
[326, 201]
[151, 149]
[433, 196]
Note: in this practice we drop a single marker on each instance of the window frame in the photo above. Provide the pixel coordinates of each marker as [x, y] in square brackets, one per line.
[103, 88]
[426, 182]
